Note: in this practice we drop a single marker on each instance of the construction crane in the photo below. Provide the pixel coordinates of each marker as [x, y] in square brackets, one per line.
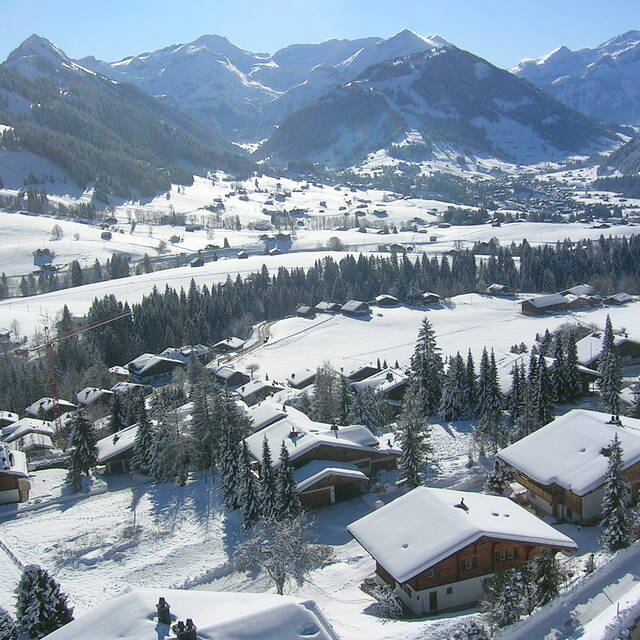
[47, 346]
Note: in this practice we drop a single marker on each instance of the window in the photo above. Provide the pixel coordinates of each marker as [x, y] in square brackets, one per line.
[569, 514]
[470, 563]
[505, 554]
[449, 590]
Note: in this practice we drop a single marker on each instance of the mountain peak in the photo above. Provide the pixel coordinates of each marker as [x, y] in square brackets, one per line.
[37, 46]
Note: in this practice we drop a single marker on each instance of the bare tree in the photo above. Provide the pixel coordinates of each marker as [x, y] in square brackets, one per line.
[252, 367]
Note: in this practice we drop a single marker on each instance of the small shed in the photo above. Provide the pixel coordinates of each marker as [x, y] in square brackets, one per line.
[327, 307]
[304, 311]
[386, 300]
[496, 289]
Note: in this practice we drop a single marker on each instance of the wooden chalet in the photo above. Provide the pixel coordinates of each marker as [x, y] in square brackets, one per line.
[14, 476]
[360, 372]
[543, 304]
[619, 298]
[255, 391]
[97, 402]
[227, 376]
[390, 383]
[153, 369]
[386, 300]
[590, 349]
[327, 307]
[303, 311]
[355, 308]
[228, 345]
[45, 408]
[498, 290]
[302, 378]
[563, 465]
[436, 547]
[116, 450]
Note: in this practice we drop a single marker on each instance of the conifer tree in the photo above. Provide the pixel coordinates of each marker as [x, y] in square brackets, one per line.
[249, 498]
[502, 598]
[498, 480]
[516, 394]
[471, 388]
[203, 427]
[558, 373]
[546, 577]
[543, 396]
[325, 406]
[228, 465]
[268, 484]
[289, 506]
[610, 384]
[116, 420]
[142, 457]
[8, 629]
[616, 530]
[427, 368]
[413, 436]
[452, 405]
[345, 401]
[571, 363]
[84, 452]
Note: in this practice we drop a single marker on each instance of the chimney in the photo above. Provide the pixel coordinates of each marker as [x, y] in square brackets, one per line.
[389, 376]
[462, 505]
[164, 614]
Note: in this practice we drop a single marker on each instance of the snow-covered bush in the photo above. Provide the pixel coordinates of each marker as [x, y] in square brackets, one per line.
[388, 604]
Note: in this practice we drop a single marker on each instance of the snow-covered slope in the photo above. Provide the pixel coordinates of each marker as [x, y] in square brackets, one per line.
[602, 82]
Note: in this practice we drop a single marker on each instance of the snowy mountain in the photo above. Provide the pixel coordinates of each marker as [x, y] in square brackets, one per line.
[98, 130]
[442, 97]
[603, 82]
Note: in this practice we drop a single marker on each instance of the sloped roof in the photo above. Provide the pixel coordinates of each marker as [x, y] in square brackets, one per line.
[590, 347]
[264, 414]
[383, 381]
[46, 405]
[301, 376]
[125, 387]
[253, 386]
[353, 305]
[89, 395]
[547, 301]
[25, 426]
[316, 470]
[117, 443]
[568, 451]
[13, 462]
[232, 343]
[145, 362]
[579, 290]
[423, 527]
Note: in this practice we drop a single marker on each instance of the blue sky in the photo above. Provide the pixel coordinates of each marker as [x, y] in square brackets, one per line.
[503, 31]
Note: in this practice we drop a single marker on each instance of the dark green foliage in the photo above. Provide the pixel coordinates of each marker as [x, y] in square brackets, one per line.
[84, 453]
[616, 529]
[289, 506]
[142, 458]
[610, 384]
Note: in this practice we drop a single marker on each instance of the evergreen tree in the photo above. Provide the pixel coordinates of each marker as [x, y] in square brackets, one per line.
[345, 401]
[543, 396]
[268, 484]
[84, 452]
[8, 629]
[427, 368]
[452, 405]
[498, 480]
[490, 431]
[369, 409]
[289, 506]
[516, 394]
[143, 445]
[571, 363]
[610, 384]
[502, 598]
[249, 498]
[203, 426]
[616, 533]
[558, 374]
[116, 420]
[546, 577]
[41, 606]
[471, 388]
[228, 465]
[413, 436]
[325, 406]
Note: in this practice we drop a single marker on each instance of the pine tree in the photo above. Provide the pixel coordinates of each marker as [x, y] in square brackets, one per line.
[345, 401]
[558, 373]
[471, 388]
[616, 533]
[413, 436]
[229, 467]
[546, 577]
[502, 598]
[143, 445]
[452, 405]
[41, 606]
[427, 368]
[249, 498]
[498, 480]
[543, 396]
[325, 406]
[8, 629]
[289, 506]
[203, 427]
[268, 484]
[490, 431]
[516, 394]
[571, 364]
[610, 384]
[84, 452]
[469, 630]
[116, 421]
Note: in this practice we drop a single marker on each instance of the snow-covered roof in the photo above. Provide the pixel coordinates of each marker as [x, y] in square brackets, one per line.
[231, 343]
[579, 290]
[254, 386]
[383, 381]
[90, 395]
[309, 435]
[31, 441]
[116, 443]
[353, 306]
[46, 405]
[359, 368]
[316, 470]
[547, 301]
[628, 394]
[217, 616]
[425, 526]
[13, 462]
[119, 371]
[590, 347]
[222, 371]
[126, 387]
[301, 376]
[324, 305]
[143, 363]
[384, 297]
[620, 298]
[264, 414]
[569, 450]
[25, 426]
[8, 416]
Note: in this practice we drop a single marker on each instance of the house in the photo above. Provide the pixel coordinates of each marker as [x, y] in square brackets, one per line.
[217, 616]
[26, 426]
[43, 257]
[121, 374]
[305, 312]
[7, 418]
[45, 408]
[228, 344]
[242, 255]
[123, 387]
[543, 304]
[385, 300]
[226, 375]
[153, 369]
[563, 465]
[14, 476]
[96, 401]
[436, 547]
[580, 302]
[327, 307]
[428, 297]
[619, 298]
[197, 262]
[496, 289]
[323, 446]
[355, 308]
[590, 349]
[391, 383]
[34, 445]
[263, 414]
[184, 354]
[255, 391]
[301, 378]
[115, 451]
[275, 252]
[360, 372]
[579, 290]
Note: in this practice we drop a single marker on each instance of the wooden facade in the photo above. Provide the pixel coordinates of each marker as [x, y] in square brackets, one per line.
[365, 460]
[329, 490]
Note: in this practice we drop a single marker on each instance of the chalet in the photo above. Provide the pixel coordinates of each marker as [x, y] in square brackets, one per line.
[7, 418]
[543, 304]
[115, 451]
[96, 401]
[579, 290]
[385, 300]
[428, 297]
[327, 307]
[242, 255]
[199, 351]
[153, 369]
[227, 376]
[360, 372]
[619, 298]
[27, 426]
[355, 308]
[331, 463]
[263, 414]
[228, 345]
[390, 383]
[590, 349]
[45, 408]
[301, 378]
[580, 302]
[14, 476]
[34, 445]
[224, 615]
[197, 262]
[305, 312]
[255, 391]
[563, 465]
[43, 257]
[123, 387]
[496, 289]
[119, 373]
[275, 251]
[436, 547]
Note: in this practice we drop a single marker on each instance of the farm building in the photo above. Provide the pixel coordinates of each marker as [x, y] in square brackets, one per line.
[304, 311]
[543, 304]
[436, 547]
[619, 298]
[14, 476]
[327, 307]
[579, 290]
[496, 289]
[385, 300]
[563, 464]
[355, 308]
